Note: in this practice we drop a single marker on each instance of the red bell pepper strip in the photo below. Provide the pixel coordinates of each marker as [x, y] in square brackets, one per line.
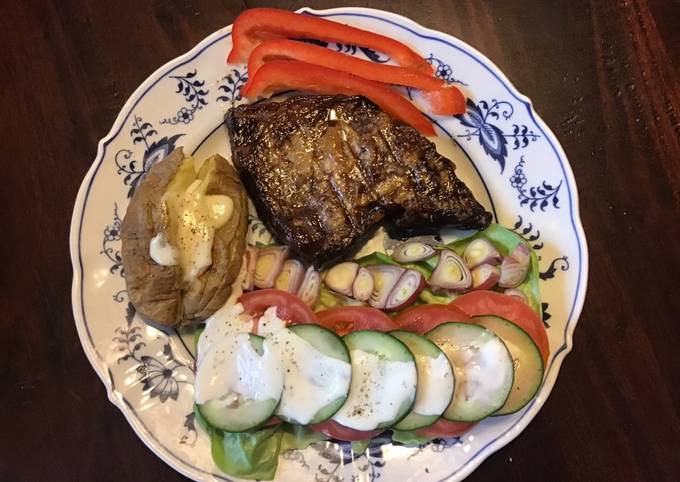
[257, 24]
[442, 100]
[284, 49]
[445, 101]
[291, 74]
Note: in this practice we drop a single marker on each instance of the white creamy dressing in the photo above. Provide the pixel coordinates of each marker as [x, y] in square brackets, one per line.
[434, 378]
[233, 372]
[230, 370]
[378, 389]
[191, 218]
[311, 380]
[478, 374]
[269, 322]
[228, 320]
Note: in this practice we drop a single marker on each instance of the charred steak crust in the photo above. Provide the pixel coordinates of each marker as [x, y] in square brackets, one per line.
[322, 171]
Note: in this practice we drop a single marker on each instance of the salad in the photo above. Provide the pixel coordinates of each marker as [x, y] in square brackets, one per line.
[273, 374]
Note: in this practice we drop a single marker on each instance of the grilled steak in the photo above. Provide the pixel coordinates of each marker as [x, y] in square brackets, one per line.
[324, 170]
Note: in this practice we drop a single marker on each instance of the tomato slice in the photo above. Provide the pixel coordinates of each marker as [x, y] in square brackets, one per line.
[421, 319]
[288, 307]
[282, 75]
[445, 428]
[272, 421]
[346, 319]
[334, 430]
[255, 24]
[478, 303]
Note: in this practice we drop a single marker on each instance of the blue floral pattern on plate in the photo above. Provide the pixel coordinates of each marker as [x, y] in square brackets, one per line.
[536, 196]
[231, 86]
[133, 170]
[191, 88]
[481, 119]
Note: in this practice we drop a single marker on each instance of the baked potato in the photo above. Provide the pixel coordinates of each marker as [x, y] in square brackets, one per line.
[170, 293]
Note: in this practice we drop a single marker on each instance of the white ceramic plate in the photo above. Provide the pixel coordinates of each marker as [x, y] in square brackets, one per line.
[504, 152]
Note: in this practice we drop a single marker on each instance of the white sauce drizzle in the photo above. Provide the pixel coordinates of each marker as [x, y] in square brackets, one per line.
[379, 388]
[434, 378]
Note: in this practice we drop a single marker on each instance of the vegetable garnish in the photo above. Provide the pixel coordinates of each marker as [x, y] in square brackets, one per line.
[288, 307]
[291, 74]
[481, 251]
[451, 273]
[515, 267]
[406, 290]
[256, 24]
[310, 287]
[284, 49]
[268, 265]
[340, 277]
[412, 251]
[362, 287]
[485, 276]
[505, 242]
[423, 318]
[334, 430]
[480, 303]
[346, 319]
[255, 454]
[248, 268]
[445, 428]
[445, 101]
[442, 99]
[291, 276]
[385, 278]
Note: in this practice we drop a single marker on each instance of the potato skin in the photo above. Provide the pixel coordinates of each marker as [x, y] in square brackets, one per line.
[158, 292]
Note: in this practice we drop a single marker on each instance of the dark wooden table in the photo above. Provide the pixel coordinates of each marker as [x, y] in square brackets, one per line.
[604, 75]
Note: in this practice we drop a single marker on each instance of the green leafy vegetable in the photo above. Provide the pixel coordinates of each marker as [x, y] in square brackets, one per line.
[327, 299]
[375, 258]
[440, 299]
[255, 454]
[381, 258]
[360, 446]
[506, 241]
[409, 439]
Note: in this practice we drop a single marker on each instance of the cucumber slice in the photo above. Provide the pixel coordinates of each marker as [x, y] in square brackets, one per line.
[316, 373]
[379, 343]
[435, 381]
[241, 415]
[384, 381]
[483, 368]
[246, 416]
[323, 339]
[527, 358]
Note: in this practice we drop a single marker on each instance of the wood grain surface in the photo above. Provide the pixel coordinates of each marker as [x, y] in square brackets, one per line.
[603, 74]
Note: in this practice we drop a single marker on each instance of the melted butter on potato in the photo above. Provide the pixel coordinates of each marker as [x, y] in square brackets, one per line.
[190, 218]
[162, 252]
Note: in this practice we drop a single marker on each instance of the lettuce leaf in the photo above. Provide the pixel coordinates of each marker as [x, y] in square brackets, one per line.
[360, 446]
[429, 297]
[255, 454]
[410, 439]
